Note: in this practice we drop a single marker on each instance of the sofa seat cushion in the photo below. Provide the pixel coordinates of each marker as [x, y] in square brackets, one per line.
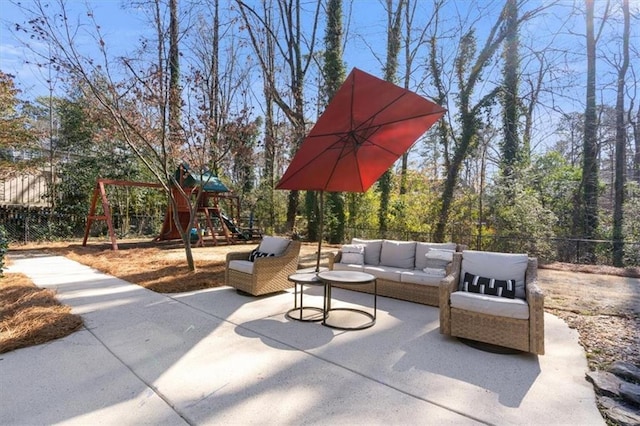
[399, 254]
[348, 267]
[500, 266]
[420, 277]
[372, 250]
[423, 248]
[385, 272]
[491, 305]
[242, 266]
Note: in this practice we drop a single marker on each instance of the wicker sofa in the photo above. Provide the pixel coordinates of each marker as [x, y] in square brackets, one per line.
[263, 275]
[399, 268]
[516, 322]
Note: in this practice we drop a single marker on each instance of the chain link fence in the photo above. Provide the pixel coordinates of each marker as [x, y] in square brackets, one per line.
[33, 224]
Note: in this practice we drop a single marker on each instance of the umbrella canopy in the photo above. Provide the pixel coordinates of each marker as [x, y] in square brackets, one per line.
[366, 127]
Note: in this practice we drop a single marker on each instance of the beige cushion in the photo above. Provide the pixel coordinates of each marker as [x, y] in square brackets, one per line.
[422, 248]
[242, 266]
[501, 266]
[400, 254]
[347, 267]
[419, 277]
[385, 272]
[371, 250]
[275, 245]
[352, 253]
[492, 305]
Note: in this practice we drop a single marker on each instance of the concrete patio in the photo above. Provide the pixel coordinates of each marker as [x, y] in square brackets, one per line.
[216, 357]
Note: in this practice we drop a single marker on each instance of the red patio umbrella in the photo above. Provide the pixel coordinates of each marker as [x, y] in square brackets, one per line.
[366, 127]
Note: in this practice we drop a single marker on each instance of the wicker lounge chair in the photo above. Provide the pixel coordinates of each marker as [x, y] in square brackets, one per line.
[263, 275]
[516, 323]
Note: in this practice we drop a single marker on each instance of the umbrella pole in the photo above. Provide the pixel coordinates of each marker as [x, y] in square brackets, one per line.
[320, 231]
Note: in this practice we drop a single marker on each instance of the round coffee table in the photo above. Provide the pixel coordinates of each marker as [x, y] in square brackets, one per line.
[298, 311]
[348, 278]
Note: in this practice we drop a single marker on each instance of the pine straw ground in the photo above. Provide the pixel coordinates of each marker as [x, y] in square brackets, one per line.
[30, 315]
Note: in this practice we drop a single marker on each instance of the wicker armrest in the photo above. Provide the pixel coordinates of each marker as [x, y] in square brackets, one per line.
[331, 259]
[535, 299]
[238, 255]
[448, 285]
[338, 257]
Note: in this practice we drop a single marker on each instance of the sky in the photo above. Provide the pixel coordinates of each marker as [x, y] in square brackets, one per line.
[365, 47]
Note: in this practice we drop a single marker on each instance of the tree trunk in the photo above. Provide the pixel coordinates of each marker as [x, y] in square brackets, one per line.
[621, 163]
[394, 21]
[510, 113]
[590, 143]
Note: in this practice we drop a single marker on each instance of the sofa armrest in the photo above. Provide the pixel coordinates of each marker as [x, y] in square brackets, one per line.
[448, 285]
[535, 300]
[338, 257]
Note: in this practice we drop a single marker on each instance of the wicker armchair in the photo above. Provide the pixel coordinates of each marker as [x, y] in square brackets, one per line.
[265, 274]
[495, 320]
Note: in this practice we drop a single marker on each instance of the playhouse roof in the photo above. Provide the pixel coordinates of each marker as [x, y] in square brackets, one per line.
[210, 182]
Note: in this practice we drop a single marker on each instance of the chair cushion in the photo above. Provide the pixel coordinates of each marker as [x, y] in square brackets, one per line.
[255, 254]
[352, 254]
[420, 277]
[399, 254]
[371, 250]
[477, 284]
[275, 245]
[501, 266]
[422, 248]
[241, 266]
[491, 305]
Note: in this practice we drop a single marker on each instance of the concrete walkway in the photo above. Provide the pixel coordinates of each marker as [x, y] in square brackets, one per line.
[216, 357]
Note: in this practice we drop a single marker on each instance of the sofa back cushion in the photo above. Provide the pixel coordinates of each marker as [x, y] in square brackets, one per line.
[273, 245]
[399, 254]
[500, 266]
[372, 250]
[352, 254]
[423, 248]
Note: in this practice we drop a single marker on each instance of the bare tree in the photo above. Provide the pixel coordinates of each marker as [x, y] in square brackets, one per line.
[141, 98]
[296, 51]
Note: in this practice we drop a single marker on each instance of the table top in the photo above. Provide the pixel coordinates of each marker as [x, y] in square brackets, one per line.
[306, 278]
[347, 277]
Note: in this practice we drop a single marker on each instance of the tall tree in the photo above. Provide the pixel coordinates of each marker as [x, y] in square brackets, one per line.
[620, 150]
[469, 68]
[394, 28]
[510, 103]
[413, 44]
[334, 73]
[589, 186]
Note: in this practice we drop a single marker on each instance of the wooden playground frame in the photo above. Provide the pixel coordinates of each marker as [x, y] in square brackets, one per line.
[169, 232]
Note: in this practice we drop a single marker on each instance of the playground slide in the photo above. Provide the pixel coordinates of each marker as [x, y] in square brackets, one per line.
[232, 227]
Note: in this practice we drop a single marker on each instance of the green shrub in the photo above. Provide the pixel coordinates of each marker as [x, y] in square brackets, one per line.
[4, 247]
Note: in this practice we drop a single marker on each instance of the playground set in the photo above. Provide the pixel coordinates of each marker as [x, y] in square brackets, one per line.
[208, 210]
